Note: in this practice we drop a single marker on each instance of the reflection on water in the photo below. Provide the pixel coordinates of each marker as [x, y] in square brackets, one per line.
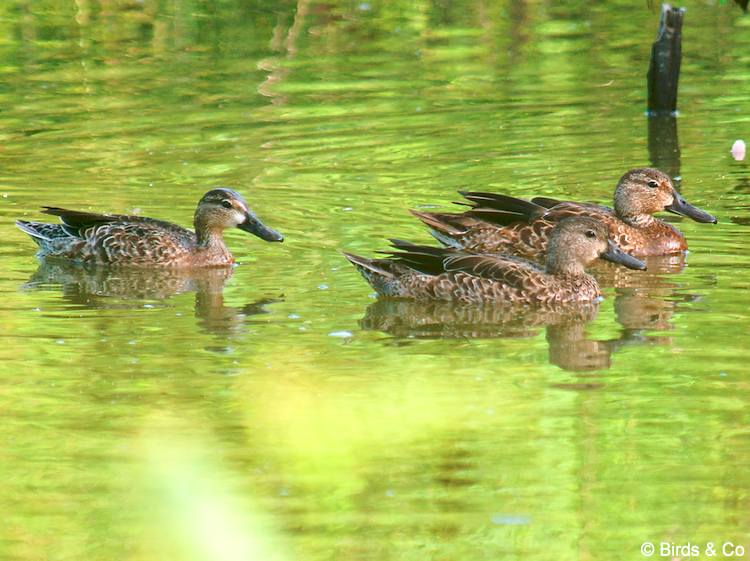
[664, 146]
[448, 320]
[609, 274]
[643, 302]
[566, 326]
[96, 286]
[647, 302]
[110, 288]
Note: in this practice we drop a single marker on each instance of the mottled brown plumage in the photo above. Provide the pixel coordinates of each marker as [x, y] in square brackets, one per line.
[138, 241]
[428, 273]
[502, 224]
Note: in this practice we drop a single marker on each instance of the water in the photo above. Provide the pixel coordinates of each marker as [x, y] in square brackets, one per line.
[280, 412]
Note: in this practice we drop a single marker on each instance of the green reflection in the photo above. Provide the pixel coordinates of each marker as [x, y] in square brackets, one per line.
[275, 413]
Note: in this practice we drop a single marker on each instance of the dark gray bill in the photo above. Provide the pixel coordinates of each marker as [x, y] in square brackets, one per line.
[253, 225]
[681, 206]
[616, 255]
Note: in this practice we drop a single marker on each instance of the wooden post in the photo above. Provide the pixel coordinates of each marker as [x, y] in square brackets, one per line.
[663, 146]
[664, 70]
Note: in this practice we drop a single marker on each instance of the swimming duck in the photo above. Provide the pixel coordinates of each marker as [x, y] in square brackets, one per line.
[113, 239]
[429, 273]
[498, 223]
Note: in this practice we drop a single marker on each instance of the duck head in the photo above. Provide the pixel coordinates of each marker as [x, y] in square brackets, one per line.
[577, 241]
[643, 192]
[223, 208]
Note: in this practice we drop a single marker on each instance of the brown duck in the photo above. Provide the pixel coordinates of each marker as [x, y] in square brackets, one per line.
[498, 223]
[428, 273]
[137, 241]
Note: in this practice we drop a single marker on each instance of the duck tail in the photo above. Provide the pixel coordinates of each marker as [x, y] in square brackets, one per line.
[381, 274]
[422, 258]
[445, 227]
[35, 230]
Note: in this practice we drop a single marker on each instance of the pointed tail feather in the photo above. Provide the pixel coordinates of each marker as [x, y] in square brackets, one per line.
[446, 227]
[381, 274]
[31, 229]
[442, 221]
[371, 266]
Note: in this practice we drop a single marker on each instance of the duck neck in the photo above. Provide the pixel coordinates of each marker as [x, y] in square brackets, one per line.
[563, 261]
[638, 220]
[211, 239]
[207, 234]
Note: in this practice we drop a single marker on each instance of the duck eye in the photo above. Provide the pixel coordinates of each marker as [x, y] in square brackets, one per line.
[226, 204]
[590, 234]
[653, 184]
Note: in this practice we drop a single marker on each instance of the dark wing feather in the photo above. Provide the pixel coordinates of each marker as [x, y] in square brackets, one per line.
[81, 219]
[504, 203]
[546, 202]
[497, 217]
[422, 258]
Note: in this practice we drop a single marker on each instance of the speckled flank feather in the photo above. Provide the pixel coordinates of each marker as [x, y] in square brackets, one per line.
[121, 240]
[476, 278]
[498, 223]
[426, 273]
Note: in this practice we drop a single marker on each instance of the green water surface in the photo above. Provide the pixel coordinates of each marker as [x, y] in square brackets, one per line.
[279, 412]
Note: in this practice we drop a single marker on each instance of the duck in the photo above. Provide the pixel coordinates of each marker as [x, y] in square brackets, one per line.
[137, 241]
[438, 273]
[500, 223]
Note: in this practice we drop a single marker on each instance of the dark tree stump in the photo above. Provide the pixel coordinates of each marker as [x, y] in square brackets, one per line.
[664, 70]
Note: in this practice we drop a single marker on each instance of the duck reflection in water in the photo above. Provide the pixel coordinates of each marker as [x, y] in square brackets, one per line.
[646, 302]
[111, 288]
[643, 302]
[570, 348]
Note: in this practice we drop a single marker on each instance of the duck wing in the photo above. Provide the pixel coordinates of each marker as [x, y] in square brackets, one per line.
[435, 261]
[524, 209]
[503, 210]
[77, 223]
[507, 270]
[563, 209]
[546, 202]
[497, 217]
[422, 258]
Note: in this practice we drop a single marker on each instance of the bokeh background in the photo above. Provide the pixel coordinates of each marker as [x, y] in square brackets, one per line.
[290, 416]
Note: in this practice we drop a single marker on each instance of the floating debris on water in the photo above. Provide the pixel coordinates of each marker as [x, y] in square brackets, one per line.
[510, 519]
[738, 150]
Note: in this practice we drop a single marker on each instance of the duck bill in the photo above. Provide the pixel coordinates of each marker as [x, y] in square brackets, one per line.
[254, 226]
[616, 255]
[684, 208]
